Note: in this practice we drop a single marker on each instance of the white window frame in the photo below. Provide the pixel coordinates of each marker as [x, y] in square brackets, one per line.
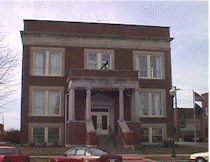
[148, 54]
[46, 133]
[99, 53]
[32, 89]
[47, 51]
[150, 102]
[158, 126]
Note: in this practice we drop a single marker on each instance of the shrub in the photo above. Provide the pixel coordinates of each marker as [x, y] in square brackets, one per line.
[167, 143]
[56, 144]
[13, 136]
[32, 144]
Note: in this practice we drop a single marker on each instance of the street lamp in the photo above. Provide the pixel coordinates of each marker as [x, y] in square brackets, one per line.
[172, 93]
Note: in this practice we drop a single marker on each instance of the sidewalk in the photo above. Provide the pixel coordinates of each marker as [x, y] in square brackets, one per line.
[197, 144]
[167, 158]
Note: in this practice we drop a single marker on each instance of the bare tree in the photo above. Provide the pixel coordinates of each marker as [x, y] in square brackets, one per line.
[9, 66]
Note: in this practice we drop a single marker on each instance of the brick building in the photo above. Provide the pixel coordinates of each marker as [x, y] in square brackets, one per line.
[68, 98]
[186, 126]
[205, 116]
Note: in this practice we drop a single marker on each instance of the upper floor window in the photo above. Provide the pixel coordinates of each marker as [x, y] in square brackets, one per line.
[149, 64]
[47, 61]
[45, 102]
[96, 59]
[151, 103]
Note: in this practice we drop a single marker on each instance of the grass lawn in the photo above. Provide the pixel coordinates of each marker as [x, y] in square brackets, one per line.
[46, 151]
[145, 150]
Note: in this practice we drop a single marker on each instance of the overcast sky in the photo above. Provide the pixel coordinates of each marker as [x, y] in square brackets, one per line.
[188, 22]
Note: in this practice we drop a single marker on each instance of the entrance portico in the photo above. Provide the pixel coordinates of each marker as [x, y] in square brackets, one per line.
[102, 112]
[90, 85]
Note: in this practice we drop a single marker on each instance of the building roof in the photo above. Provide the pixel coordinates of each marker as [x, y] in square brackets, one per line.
[96, 29]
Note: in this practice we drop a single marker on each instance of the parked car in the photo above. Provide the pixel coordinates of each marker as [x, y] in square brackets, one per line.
[87, 154]
[12, 154]
[199, 157]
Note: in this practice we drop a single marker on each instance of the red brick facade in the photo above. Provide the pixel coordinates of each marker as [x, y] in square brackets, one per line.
[83, 90]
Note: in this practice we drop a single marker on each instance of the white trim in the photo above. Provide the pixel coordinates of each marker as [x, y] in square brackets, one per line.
[149, 71]
[99, 119]
[47, 51]
[96, 42]
[99, 53]
[103, 83]
[46, 90]
[162, 126]
[163, 102]
[46, 126]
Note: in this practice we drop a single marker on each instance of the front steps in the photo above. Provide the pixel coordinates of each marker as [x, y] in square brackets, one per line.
[105, 142]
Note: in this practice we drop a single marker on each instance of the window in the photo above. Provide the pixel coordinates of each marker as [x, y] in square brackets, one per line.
[145, 135]
[80, 152]
[47, 61]
[71, 152]
[152, 135]
[96, 59]
[149, 64]
[38, 135]
[53, 135]
[156, 104]
[151, 104]
[5, 151]
[144, 103]
[39, 102]
[46, 135]
[156, 135]
[46, 101]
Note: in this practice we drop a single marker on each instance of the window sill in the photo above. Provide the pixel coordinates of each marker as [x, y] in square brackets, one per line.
[152, 117]
[47, 75]
[150, 78]
[44, 115]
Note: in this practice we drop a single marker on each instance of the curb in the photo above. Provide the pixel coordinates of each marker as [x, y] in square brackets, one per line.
[150, 160]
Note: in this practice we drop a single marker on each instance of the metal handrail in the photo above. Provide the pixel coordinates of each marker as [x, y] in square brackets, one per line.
[113, 136]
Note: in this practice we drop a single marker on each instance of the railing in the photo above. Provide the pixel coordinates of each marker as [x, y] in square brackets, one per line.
[126, 134]
[91, 138]
[113, 136]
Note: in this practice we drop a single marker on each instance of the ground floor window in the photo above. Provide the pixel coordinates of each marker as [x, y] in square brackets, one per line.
[157, 135]
[53, 135]
[38, 135]
[152, 135]
[49, 135]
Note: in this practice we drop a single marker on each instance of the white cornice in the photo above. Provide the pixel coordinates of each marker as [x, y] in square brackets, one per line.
[104, 83]
[96, 42]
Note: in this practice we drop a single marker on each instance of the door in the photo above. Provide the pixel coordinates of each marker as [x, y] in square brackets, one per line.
[101, 122]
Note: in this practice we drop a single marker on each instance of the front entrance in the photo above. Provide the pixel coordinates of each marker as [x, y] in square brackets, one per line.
[101, 119]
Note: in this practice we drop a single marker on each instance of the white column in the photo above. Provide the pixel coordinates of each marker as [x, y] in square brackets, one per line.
[72, 104]
[88, 104]
[121, 104]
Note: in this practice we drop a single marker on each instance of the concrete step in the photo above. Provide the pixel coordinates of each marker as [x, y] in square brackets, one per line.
[106, 143]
